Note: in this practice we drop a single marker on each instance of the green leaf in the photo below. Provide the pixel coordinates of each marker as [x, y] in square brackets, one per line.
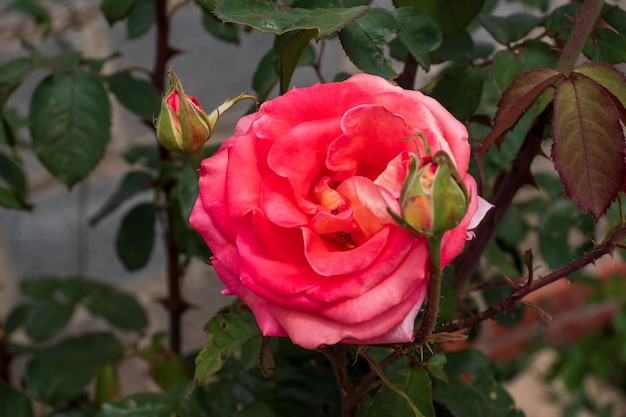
[115, 10]
[451, 17]
[118, 308]
[13, 199]
[17, 317]
[419, 34]
[255, 409]
[37, 12]
[65, 61]
[365, 40]
[12, 173]
[47, 317]
[145, 405]
[292, 51]
[266, 16]
[135, 237]
[137, 95]
[454, 48]
[508, 65]
[133, 183]
[588, 144]
[228, 32]
[166, 368]
[107, 385]
[436, 365]
[554, 226]
[14, 403]
[141, 17]
[187, 190]
[70, 120]
[472, 389]
[206, 5]
[265, 76]
[520, 95]
[460, 90]
[61, 372]
[12, 74]
[509, 29]
[416, 384]
[40, 288]
[608, 77]
[147, 155]
[227, 332]
[500, 259]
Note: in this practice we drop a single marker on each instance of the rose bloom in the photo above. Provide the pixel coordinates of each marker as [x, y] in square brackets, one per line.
[294, 207]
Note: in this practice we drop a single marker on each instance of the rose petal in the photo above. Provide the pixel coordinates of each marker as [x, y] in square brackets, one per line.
[340, 287]
[299, 154]
[483, 207]
[318, 102]
[278, 201]
[353, 153]
[244, 176]
[327, 259]
[368, 203]
[389, 293]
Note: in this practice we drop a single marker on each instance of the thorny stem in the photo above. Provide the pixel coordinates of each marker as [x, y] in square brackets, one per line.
[605, 248]
[502, 199]
[174, 302]
[585, 22]
[337, 357]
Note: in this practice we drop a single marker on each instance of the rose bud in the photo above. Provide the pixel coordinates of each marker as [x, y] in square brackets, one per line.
[182, 126]
[434, 198]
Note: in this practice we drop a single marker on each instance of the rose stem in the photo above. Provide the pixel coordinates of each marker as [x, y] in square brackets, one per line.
[174, 302]
[337, 357]
[434, 291]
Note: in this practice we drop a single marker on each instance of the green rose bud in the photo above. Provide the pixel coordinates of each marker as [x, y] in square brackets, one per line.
[182, 126]
[434, 198]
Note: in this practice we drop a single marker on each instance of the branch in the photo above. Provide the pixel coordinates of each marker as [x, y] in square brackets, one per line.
[585, 22]
[605, 248]
[336, 354]
[174, 303]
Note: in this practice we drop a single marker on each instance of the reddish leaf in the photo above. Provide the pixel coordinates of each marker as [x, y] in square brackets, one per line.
[520, 95]
[588, 150]
[610, 78]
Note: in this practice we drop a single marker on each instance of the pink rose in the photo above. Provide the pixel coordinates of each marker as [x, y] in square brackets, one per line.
[294, 208]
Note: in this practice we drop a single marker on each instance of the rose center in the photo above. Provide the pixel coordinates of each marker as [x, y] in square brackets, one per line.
[327, 195]
[342, 240]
